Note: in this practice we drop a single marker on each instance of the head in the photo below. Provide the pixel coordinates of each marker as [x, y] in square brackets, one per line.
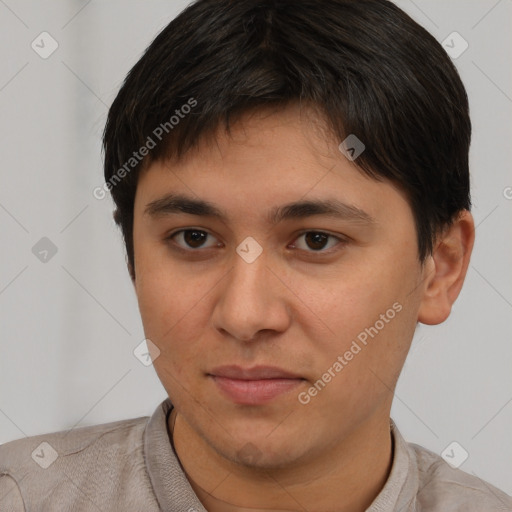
[230, 127]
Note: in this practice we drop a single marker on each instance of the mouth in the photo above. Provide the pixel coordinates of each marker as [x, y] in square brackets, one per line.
[254, 386]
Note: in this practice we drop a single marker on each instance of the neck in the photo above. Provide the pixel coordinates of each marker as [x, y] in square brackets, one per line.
[345, 479]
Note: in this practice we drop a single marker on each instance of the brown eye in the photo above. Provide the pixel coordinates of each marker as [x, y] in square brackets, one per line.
[194, 238]
[317, 241]
[191, 239]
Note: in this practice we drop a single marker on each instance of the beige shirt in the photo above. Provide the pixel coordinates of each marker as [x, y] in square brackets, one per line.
[131, 466]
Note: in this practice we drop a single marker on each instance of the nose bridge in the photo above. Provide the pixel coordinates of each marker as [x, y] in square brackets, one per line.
[248, 285]
[251, 274]
[249, 269]
[249, 300]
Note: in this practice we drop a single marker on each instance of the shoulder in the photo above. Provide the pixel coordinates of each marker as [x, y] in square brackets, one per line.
[45, 449]
[444, 488]
[68, 465]
[10, 494]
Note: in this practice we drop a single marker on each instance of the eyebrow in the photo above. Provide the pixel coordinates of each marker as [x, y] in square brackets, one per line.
[179, 203]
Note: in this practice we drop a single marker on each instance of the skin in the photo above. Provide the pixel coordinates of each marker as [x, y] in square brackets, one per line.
[294, 307]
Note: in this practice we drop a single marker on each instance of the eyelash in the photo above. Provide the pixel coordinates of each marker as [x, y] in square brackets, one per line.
[341, 241]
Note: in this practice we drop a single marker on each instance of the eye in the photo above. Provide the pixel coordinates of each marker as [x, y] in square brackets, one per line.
[192, 239]
[314, 241]
[317, 241]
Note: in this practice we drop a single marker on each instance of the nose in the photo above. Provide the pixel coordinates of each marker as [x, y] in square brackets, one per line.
[251, 299]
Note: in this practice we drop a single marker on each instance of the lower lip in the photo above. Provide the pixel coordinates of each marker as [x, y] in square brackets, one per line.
[254, 392]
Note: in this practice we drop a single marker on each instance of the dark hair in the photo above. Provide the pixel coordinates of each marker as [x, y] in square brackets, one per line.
[364, 64]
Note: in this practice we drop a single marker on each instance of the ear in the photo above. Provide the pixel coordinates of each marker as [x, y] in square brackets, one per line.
[445, 270]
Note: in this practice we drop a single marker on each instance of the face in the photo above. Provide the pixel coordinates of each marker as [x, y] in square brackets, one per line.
[281, 329]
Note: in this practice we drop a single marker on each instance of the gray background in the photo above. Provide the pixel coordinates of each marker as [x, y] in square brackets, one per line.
[69, 325]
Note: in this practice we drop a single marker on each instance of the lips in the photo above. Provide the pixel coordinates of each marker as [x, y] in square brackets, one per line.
[254, 386]
[255, 373]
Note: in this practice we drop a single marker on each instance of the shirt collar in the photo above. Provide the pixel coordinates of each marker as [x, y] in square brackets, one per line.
[173, 491]
[170, 485]
[399, 491]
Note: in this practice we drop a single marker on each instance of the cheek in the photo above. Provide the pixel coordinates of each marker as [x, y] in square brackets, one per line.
[171, 315]
[172, 306]
[370, 304]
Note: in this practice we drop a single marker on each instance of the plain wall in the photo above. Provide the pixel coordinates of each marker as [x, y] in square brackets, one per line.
[69, 325]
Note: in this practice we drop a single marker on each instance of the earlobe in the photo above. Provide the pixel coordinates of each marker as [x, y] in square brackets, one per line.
[446, 270]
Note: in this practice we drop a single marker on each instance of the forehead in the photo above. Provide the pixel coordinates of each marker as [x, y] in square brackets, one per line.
[294, 128]
[268, 160]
